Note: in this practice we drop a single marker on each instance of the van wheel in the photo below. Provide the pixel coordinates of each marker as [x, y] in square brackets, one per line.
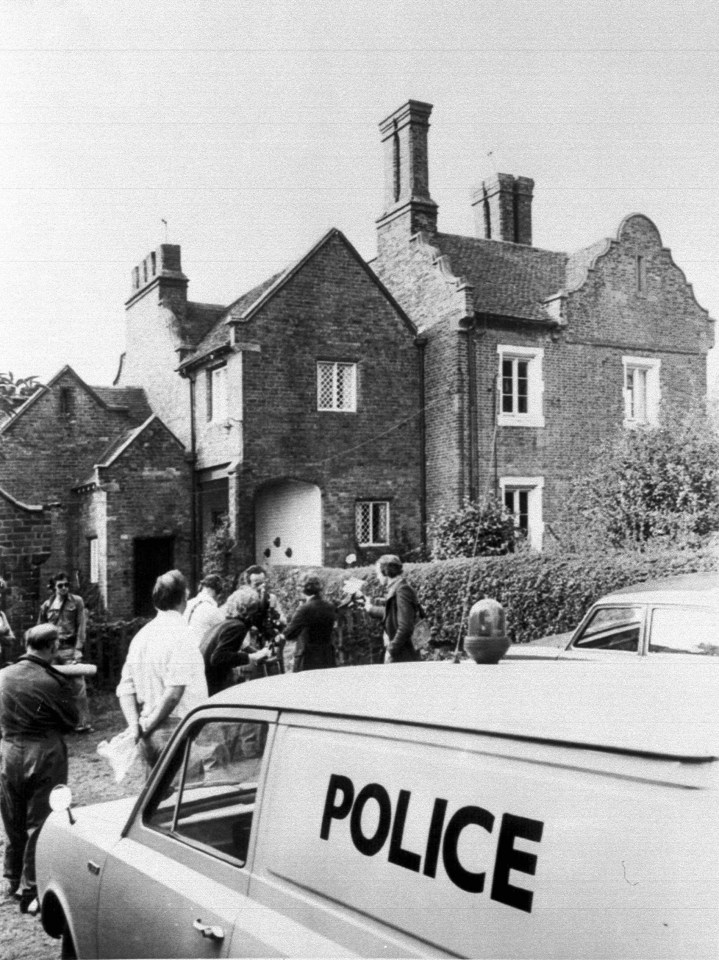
[67, 950]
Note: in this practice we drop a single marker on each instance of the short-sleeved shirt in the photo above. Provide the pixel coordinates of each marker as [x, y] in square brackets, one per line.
[201, 615]
[164, 654]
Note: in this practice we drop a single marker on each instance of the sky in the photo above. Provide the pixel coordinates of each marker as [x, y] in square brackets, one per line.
[251, 127]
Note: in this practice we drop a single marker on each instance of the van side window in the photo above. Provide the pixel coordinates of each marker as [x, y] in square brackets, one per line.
[207, 796]
[612, 628]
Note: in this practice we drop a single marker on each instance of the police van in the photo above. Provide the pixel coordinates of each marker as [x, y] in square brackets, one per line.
[523, 809]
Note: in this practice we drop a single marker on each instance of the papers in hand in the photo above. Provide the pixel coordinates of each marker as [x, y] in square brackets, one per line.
[352, 586]
[121, 752]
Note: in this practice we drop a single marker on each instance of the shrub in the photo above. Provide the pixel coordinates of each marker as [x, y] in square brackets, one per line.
[218, 554]
[652, 484]
[541, 594]
[106, 646]
[480, 528]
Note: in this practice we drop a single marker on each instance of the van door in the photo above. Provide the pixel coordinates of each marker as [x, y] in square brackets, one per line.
[181, 870]
[397, 841]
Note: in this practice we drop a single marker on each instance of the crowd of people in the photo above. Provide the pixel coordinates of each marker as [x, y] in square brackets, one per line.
[191, 648]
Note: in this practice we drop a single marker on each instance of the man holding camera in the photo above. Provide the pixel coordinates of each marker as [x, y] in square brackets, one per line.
[267, 623]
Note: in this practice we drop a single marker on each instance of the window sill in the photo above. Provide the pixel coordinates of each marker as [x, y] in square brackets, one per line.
[638, 424]
[519, 420]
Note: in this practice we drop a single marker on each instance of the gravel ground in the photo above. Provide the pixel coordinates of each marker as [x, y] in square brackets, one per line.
[22, 937]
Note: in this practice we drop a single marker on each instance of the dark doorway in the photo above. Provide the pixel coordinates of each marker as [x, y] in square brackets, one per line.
[153, 556]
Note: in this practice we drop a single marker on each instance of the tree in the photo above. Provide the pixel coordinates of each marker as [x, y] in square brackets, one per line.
[218, 552]
[479, 528]
[15, 391]
[656, 483]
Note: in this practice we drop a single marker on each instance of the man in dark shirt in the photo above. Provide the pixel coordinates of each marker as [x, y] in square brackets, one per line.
[312, 627]
[36, 708]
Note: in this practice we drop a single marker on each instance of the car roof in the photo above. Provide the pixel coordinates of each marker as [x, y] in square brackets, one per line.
[636, 707]
[687, 588]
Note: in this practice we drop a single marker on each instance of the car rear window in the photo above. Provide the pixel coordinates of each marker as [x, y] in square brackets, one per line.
[684, 629]
[612, 628]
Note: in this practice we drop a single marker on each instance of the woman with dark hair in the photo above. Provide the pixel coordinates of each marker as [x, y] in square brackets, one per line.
[312, 627]
[398, 610]
[222, 647]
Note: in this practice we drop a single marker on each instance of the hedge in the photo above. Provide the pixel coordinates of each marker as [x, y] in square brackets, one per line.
[542, 595]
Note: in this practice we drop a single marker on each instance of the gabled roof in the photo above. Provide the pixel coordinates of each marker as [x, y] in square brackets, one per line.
[125, 440]
[201, 318]
[29, 507]
[517, 281]
[579, 262]
[121, 443]
[219, 336]
[245, 307]
[509, 279]
[130, 400]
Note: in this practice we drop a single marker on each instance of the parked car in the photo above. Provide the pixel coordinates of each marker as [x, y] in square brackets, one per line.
[677, 616]
[423, 809]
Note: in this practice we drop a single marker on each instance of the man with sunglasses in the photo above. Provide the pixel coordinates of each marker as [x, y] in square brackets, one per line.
[67, 612]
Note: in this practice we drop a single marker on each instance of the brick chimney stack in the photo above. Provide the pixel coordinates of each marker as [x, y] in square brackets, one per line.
[161, 270]
[503, 209]
[404, 135]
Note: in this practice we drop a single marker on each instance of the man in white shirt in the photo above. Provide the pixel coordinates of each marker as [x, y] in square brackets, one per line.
[202, 612]
[163, 677]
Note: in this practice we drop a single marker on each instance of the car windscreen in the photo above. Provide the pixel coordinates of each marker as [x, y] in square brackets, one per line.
[685, 629]
[612, 628]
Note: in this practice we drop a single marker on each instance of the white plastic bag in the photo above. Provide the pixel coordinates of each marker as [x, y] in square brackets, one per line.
[121, 752]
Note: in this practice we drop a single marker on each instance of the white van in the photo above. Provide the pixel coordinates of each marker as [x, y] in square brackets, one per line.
[524, 809]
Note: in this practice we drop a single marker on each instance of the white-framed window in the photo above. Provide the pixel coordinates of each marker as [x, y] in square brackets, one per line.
[336, 386]
[522, 496]
[520, 386]
[372, 523]
[217, 394]
[641, 391]
[94, 560]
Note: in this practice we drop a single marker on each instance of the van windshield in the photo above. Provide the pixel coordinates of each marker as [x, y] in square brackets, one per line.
[684, 629]
[612, 628]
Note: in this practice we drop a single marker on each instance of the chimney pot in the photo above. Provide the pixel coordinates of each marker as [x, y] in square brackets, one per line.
[503, 208]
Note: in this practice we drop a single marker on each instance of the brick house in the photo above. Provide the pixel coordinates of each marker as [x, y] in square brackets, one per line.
[298, 402]
[531, 356]
[25, 545]
[334, 407]
[90, 482]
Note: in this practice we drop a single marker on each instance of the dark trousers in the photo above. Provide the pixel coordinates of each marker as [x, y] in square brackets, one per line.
[29, 769]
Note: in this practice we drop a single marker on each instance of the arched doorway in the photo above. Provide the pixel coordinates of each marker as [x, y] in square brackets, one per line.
[288, 524]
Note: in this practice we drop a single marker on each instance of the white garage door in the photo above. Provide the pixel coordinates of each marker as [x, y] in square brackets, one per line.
[288, 524]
